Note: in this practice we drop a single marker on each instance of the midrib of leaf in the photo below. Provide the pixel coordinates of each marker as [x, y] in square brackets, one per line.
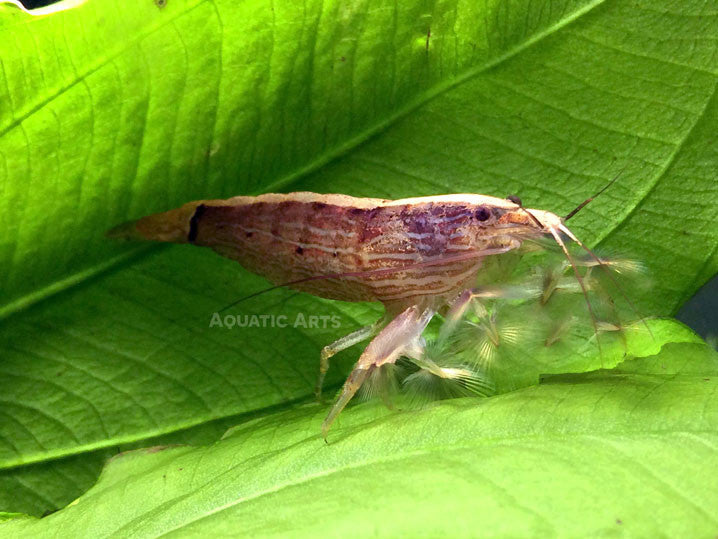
[76, 279]
[423, 98]
[282, 183]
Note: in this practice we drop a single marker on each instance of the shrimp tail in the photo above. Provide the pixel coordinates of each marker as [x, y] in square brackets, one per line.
[174, 226]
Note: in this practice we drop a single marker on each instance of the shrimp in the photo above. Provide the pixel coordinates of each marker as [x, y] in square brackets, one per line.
[416, 256]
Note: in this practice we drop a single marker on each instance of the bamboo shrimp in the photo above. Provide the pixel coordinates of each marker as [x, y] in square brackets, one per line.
[416, 256]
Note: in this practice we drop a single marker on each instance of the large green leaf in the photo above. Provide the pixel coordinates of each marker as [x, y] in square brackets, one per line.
[117, 109]
[553, 460]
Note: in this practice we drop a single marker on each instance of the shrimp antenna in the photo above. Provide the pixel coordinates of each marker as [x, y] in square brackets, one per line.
[516, 200]
[250, 296]
[589, 199]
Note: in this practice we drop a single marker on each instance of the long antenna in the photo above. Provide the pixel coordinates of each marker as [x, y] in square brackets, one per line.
[589, 199]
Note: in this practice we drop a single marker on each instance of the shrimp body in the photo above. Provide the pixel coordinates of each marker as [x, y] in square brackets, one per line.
[290, 237]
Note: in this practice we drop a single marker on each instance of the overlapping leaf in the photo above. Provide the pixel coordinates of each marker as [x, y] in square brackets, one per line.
[510, 466]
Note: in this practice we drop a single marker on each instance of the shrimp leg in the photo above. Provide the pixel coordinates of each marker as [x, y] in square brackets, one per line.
[337, 346]
[400, 336]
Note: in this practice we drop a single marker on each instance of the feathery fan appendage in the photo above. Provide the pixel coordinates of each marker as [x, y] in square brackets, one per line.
[533, 322]
[441, 374]
[383, 382]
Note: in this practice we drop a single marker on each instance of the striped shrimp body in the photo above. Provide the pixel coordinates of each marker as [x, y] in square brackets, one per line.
[415, 256]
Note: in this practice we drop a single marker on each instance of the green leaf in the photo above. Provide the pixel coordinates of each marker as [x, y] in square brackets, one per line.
[118, 109]
[556, 459]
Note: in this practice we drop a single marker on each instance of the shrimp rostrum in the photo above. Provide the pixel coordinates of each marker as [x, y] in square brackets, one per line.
[417, 256]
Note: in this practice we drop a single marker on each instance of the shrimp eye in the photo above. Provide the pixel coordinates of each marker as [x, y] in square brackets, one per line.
[482, 213]
[513, 198]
